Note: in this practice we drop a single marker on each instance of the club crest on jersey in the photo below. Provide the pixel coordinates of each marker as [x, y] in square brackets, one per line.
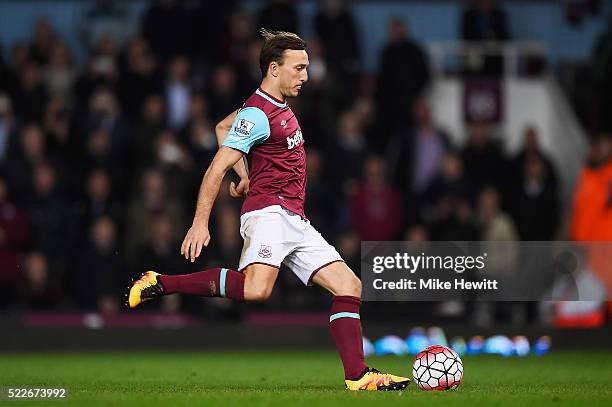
[283, 124]
[295, 140]
[244, 127]
[265, 252]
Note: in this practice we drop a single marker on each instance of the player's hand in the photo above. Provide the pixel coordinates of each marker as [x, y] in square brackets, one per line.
[197, 238]
[241, 190]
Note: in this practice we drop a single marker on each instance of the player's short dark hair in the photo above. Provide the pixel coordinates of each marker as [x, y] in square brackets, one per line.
[275, 44]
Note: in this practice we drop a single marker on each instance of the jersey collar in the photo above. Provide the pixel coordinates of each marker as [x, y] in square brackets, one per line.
[276, 102]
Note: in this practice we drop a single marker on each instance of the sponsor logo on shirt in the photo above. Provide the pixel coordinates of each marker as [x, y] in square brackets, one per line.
[295, 140]
[265, 252]
[244, 127]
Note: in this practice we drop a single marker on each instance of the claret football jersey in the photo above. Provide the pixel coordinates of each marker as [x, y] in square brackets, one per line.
[268, 133]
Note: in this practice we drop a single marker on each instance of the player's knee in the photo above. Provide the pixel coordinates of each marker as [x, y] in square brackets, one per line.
[350, 286]
[258, 294]
[356, 287]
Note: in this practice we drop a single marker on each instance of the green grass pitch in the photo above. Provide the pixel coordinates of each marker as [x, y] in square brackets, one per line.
[301, 378]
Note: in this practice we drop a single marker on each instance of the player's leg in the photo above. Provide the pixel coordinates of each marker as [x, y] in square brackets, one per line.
[254, 284]
[344, 318]
[259, 281]
[316, 261]
[264, 250]
[345, 328]
[215, 282]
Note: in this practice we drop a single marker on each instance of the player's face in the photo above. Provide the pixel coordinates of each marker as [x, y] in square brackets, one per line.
[292, 73]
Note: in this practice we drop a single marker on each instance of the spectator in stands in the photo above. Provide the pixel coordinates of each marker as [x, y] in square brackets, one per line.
[376, 208]
[160, 252]
[445, 205]
[592, 209]
[534, 201]
[43, 41]
[60, 74]
[365, 108]
[106, 19]
[14, 235]
[7, 126]
[39, 290]
[138, 76]
[23, 158]
[315, 106]
[592, 217]
[166, 26]
[101, 71]
[494, 223]
[107, 139]
[279, 15]
[602, 73]
[200, 136]
[30, 96]
[59, 134]
[178, 92]
[151, 198]
[346, 155]
[235, 48]
[450, 187]
[415, 153]
[322, 204]
[98, 201]
[417, 233]
[210, 21]
[336, 29]
[454, 220]
[4, 71]
[403, 76]
[99, 270]
[484, 21]
[20, 56]
[50, 217]
[532, 147]
[151, 121]
[98, 154]
[174, 161]
[484, 161]
[250, 76]
[224, 94]
[227, 245]
[105, 115]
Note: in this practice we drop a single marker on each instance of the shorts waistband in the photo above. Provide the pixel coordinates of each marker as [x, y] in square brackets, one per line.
[273, 208]
[291, 213]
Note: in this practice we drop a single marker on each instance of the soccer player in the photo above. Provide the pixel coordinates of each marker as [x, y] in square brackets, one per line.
[272, 222]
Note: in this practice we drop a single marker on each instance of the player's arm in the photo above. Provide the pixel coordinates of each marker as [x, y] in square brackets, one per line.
[221, 130]
[250, 127]
[198, 235]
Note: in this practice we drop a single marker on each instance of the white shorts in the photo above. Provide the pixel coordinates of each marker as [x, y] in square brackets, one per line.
[274, 235]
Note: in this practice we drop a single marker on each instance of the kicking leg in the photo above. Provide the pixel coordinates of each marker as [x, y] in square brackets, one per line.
[345, 328]
[259, 281]
[254, 285]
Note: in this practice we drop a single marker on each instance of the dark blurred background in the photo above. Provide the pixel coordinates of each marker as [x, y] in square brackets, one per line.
[423, 120]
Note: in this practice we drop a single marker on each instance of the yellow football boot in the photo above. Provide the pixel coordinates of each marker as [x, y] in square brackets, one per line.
[145, 288]
[373, 380]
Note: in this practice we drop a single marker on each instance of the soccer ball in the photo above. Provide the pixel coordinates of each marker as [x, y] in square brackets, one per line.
[437, 368]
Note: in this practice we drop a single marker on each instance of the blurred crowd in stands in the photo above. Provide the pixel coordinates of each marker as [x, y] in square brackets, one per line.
[100, 163]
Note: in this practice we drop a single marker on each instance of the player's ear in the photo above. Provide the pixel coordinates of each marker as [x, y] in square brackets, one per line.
[273, 69]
